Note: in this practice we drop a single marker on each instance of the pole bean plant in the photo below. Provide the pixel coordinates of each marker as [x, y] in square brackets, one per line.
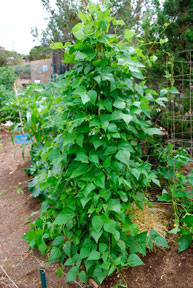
[87, 159]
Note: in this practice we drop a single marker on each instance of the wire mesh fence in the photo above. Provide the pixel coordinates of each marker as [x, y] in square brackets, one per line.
[175, 121]
[179, 108]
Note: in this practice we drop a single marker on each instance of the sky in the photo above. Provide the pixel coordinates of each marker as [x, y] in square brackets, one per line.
[17, 17]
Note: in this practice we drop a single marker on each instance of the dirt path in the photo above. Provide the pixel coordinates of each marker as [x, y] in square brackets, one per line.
[163, 269]
[14, 210]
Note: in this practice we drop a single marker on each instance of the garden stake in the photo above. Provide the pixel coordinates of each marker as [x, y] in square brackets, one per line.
[24, 138]
[43, 278]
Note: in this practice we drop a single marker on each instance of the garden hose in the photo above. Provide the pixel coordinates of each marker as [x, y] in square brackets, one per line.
[43, 278]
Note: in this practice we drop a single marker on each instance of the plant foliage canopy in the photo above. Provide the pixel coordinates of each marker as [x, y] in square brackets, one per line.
[89, 155]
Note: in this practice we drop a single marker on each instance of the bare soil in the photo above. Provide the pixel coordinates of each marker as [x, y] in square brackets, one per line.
[21, 268]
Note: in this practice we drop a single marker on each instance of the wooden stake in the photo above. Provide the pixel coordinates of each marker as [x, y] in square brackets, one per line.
[93, 283]
[20, 116]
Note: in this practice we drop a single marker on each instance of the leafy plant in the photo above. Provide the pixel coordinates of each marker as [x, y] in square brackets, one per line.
[7, 78]
[87, 156]
[177, 192]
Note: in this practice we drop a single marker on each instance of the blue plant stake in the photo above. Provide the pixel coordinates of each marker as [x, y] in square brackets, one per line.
[23, 139]
[43, 278]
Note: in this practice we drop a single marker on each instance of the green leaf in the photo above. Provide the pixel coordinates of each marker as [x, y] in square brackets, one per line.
[110, 78]
[107, 162]
[111, 270]
[134, 260]
[112, 128]
[94, 158]
[43, 248]
[88, 189]
[112, 149]
[96, 235]
[85, 98]
[153, 131]
[97, 142]
[114, 205]
[154, 58]
[99, 275]
[82, 276]
[136, 173]
[94, 255]
[54, 255]
[127, 118]
[84, 252]
[20, 191]
[162, 41]
[173, 90]
[138, 75]
[98, 80]
[103, 25]
[188, 218]
[97, 223]
[100, 181]
[79, 171]
[72, 273]
[92, 94]
[184, 242]
[120, 22]
[64, 217]
[80, 56]
[79, 140]
[126, 146]
[123, 156]
[82, 157]
[69, 262]
[57, 45]
[139, 89]
[123, 196]
[84, 201]
[156, 181]
[108, 104]
[161, 241]
[53, 154]
[163, 92]
[68, 140]
[103, 247]
[129, 34]
[110, 228]
[119, 103]
[78, 31]
[161, 100]
[122, 245]
[58, 241]
[82, 16]
[174, 231]
[116, 115]
[67, 248]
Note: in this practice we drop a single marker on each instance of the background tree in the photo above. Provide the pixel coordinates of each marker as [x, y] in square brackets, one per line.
[178, 14]
[10, 58]
[39, 52]
[7, 79]
[65, 15]
[61, 20]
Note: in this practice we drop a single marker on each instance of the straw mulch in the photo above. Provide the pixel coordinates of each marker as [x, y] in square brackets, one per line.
[157, 217]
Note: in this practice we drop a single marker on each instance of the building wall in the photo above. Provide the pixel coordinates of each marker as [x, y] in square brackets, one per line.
[38, 70]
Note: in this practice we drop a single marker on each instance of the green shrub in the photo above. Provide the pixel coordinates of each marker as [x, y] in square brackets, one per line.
[7, 78]
[87, 154]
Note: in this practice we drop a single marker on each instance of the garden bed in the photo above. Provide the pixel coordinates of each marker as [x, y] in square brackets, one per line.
[164, 268]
